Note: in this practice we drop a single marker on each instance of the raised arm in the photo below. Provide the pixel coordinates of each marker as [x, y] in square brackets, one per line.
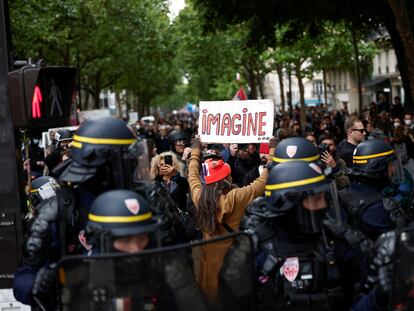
[194, 172]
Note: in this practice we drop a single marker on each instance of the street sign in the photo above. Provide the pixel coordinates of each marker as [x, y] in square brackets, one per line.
[41, 97]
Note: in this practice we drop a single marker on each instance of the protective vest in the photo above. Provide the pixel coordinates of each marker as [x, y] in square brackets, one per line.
[299, 276]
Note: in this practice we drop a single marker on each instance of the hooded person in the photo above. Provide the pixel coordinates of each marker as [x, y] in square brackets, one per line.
[220, 206]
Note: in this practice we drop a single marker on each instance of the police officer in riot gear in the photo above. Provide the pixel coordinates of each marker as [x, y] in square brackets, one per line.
[295, 148]
[105, 150]
[299, 148]
[376, 167]
[121, 221]
[297, 267]
[105, 154]
[43, 189]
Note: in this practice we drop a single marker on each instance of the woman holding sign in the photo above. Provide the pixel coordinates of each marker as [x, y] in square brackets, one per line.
[220, 206]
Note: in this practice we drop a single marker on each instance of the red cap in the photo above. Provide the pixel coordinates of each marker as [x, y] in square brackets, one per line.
[214, 171]
[264, 148]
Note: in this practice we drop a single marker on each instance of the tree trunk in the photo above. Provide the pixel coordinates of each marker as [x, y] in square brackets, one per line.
[136, 102]
[251, 80]
[357, 69]
[405, 32]
[118, 104]
[290, 88]
[85, 101]
[95, 95]
[325, 94]
[281, 85]
[259, 82]
[301, 93]
[401, 60]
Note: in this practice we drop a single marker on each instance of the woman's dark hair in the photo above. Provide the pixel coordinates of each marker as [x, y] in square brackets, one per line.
[206, 213]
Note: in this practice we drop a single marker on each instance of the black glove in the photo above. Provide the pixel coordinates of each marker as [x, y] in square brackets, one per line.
[382, 261]
[45, 282]
[337, 228]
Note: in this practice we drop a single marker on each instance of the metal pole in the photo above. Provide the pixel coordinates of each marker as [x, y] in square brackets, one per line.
[11, 191]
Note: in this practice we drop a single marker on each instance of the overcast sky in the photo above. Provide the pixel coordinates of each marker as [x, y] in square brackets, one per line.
[175, 7]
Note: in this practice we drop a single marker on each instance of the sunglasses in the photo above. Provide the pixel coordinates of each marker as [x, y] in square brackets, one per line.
[360, 130]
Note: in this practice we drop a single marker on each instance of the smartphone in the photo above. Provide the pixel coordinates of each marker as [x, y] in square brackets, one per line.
[168, 160]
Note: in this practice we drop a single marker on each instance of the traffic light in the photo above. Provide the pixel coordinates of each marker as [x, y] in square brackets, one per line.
[41, 97]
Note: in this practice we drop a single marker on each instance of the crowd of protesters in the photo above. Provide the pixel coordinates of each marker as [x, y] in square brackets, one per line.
[214, 183]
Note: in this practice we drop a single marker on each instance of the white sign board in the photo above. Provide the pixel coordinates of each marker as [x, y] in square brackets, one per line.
[245, 121]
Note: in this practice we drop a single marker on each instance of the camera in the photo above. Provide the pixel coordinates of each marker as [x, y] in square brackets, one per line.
[322, 148]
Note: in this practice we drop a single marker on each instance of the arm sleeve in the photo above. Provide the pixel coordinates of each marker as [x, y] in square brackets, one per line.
[22, 284]
[194, 175]
[244, 195]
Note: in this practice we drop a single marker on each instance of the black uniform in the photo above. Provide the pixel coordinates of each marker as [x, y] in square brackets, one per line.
[298, 265]
[101, 159]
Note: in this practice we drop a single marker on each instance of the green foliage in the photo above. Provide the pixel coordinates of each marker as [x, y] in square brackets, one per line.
[209, 61]
[120, 44]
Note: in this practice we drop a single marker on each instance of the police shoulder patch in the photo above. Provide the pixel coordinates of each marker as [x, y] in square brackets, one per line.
[290, 268]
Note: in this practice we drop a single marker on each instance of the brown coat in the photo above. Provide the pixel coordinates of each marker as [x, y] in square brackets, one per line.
[232, 206]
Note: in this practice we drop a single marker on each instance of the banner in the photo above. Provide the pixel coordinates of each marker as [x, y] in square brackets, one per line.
[248, 121]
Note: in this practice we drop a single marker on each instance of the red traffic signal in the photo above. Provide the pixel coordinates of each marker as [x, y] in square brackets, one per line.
[41, 97]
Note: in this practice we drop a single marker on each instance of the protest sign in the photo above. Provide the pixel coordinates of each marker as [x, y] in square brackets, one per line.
[248, 121]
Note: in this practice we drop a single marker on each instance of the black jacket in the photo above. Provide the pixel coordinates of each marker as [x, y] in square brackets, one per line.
[345, 152]
[177, 188]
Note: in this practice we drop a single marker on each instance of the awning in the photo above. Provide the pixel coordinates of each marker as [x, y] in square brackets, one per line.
[311, 102]
[375, 82]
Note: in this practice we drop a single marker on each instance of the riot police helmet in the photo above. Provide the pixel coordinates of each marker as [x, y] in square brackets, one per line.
[42, 188]
[374, 158]
[63, 136]
[295, 148]
[301, 190]
[122, 213]
[104, 142]
[118, 214]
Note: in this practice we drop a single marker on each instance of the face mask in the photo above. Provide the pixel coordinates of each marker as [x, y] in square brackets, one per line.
[397, 124]
[35, 141]
[408, 122]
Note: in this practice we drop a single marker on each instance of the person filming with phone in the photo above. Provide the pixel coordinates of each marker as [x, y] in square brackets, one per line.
[165, 169]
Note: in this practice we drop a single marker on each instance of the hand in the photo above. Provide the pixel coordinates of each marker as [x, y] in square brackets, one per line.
[196, 143]
[337, 228]
[328, 159]
[186, 153]
[166, 169]
[272, 142]
[234, 148]
[45, 281]
[26, 165]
